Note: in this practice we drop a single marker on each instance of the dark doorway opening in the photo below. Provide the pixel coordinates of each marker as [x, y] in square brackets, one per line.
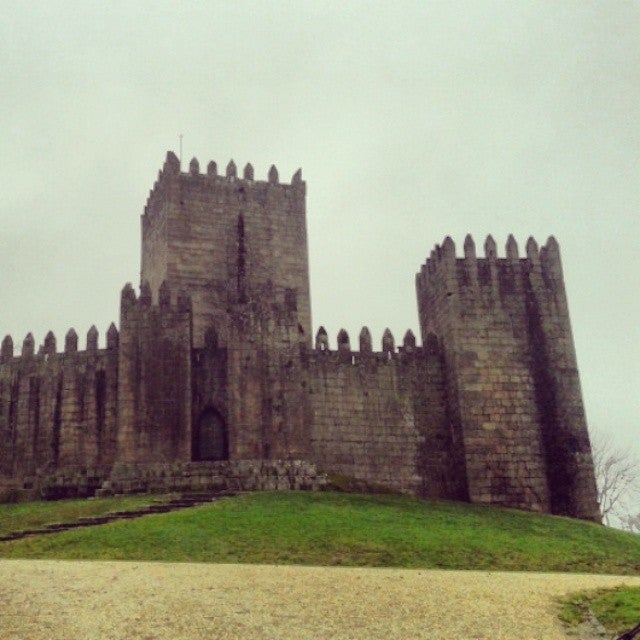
[210, 441]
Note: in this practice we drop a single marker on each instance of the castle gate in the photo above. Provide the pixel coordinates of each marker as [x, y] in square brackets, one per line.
[210, 438]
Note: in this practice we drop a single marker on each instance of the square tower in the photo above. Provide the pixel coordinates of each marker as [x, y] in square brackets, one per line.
[226, 241]
[513, 387]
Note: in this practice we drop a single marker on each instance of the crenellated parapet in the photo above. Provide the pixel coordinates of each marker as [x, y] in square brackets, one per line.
[48, 350]
[490, 277]
[388, 353]
[168, 302]
[451, 288]
[172, 183]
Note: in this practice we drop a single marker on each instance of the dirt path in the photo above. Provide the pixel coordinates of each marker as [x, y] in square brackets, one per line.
[58, 600]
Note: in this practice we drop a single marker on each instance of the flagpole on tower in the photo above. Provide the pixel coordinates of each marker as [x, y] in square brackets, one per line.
[181, 136]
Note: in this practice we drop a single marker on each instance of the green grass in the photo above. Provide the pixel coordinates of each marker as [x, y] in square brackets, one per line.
[33, 515]
[348, 529]
[617, 609]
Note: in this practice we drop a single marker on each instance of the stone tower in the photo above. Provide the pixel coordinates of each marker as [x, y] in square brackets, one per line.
[514, 396]
[226, 241]
[237, 248]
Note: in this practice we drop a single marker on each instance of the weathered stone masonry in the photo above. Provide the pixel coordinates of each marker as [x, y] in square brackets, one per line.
[213, 380]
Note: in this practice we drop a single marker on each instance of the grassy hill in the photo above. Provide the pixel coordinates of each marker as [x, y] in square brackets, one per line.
[337, 529]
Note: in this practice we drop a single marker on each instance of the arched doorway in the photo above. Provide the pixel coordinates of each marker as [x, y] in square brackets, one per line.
[210, 441]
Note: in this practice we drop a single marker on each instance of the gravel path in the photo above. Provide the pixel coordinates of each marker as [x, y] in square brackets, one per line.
[59, 600]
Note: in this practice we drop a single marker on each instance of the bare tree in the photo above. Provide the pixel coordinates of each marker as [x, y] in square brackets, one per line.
[631, 522]
[618, 481]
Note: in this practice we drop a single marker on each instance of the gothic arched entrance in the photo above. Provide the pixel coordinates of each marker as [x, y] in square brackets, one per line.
[210, 438]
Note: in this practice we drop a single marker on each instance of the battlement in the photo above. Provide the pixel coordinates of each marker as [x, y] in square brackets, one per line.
[443, 256]
[388, 353]
[49, 347]
[166, 301]
[446, 274]
[172, 182]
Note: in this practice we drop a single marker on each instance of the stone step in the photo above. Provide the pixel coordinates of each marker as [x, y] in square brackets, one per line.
[204, 497]
[14, 535]
[161, 508]
[34, 532]
[58, 526]
[94, 521]
[184, 502]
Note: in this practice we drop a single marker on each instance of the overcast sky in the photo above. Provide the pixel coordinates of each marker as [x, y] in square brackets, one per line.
[410, 120]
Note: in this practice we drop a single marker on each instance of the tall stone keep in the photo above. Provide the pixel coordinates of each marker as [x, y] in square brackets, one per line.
[225, 241]
[237, 248]
[212, 379]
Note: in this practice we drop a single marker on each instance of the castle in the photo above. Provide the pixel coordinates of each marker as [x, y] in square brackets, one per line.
[213, 378]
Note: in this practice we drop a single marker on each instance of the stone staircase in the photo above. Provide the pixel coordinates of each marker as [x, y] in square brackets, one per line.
[182, 502]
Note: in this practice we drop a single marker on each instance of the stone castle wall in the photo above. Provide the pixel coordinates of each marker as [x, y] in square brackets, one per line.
[381, 416]
[58, 410]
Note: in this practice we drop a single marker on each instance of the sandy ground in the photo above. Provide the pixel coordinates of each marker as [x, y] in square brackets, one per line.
[53, 600]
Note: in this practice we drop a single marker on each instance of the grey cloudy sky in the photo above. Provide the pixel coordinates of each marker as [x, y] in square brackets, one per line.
[411, 121]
